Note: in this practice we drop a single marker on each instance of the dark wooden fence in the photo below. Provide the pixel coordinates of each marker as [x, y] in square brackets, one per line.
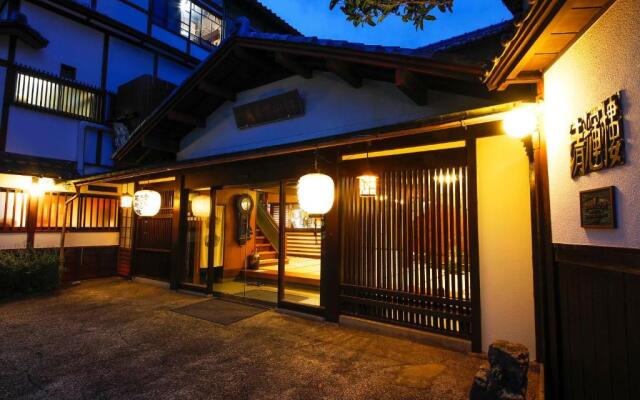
[153, 241]
[404, 252]
[598, 294]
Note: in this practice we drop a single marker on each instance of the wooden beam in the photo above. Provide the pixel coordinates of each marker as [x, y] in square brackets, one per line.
[253, 59]
[294, 65]
[217, 91]
[161, 144]
[345, 72]
[187, 119]
[412, 85]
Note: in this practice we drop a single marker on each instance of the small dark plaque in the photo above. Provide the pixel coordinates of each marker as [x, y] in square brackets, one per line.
[277, 108]
[598, 208]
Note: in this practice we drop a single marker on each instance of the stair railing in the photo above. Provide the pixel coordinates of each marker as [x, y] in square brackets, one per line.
[268, 226]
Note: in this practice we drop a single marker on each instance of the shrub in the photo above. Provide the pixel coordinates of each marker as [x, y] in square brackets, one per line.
[28, 271]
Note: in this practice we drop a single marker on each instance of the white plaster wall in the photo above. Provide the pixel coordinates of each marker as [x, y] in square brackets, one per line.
[603, 61]
[40, 134]
[69, 43]
[171, 71]
[126, 62]
[76, 239]
[504, 228]
[332, 108]
[124, 13]
[13, 241]
[168, 37]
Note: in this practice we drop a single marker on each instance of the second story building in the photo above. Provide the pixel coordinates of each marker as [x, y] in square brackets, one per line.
[62, 63]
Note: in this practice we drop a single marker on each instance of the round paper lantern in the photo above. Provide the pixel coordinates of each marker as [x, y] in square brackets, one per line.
[201, 206]
[126, 200]
[146, 203]
[315, 193]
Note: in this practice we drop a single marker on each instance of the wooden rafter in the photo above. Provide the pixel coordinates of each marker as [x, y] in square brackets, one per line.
[293, 65]
[345, 72]
[186, 119]
[158, 143]
[412, 85]
[253, 59]
[217, 91]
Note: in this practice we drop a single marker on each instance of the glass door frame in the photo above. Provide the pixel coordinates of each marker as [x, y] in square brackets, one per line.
[282, 256]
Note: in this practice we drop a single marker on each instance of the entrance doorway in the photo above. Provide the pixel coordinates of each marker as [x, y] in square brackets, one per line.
[153, 237]
[271, 254]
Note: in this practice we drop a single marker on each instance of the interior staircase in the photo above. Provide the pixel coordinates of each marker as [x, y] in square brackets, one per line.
[268, 254]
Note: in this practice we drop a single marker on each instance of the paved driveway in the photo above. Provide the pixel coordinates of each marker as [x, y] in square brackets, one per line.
[118, 339]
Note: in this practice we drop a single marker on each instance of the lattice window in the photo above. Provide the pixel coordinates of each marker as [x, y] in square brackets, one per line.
[13, 210]
[56, 95]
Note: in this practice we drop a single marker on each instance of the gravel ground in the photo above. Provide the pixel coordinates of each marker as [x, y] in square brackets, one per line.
[117, 339]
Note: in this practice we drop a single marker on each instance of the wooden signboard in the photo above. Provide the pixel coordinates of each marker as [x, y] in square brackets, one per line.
[277, 108]
[598, 208]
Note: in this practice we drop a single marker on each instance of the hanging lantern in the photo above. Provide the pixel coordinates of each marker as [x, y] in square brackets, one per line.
[146, 203]
[126, 200]
[201, 206]
[368, 185]
[315, 193]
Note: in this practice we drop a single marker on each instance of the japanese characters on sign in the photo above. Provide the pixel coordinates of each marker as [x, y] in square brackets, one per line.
[597, 139]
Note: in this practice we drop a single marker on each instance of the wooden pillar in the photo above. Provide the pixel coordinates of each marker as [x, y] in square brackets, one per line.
[32, 215]
[330, 259]
[282, 240]
[179, 230]
[474, 257]
[213, 195]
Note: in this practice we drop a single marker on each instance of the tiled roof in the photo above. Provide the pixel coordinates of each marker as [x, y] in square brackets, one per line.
[272, 15]
[467, 38]
[244, 30]
[331, 43]
[37, 166]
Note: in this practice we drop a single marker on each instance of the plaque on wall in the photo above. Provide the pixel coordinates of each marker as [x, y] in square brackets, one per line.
[598, 208]
[597, 138]
[272, 109]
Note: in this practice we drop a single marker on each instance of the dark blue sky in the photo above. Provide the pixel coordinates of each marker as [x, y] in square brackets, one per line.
[313, 18]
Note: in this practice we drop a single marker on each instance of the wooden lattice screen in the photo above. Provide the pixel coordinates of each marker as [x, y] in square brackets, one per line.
[404, 252]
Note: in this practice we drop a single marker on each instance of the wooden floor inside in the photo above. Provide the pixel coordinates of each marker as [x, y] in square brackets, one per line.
[298, 270]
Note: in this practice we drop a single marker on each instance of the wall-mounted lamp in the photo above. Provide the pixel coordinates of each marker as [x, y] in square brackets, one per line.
[522, 121]
[40, 186]
[126, 200]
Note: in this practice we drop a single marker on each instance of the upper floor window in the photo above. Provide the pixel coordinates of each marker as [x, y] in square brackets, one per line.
[191, 20]
[48, 93]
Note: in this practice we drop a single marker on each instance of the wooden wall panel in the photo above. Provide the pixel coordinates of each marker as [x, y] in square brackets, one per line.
[404, 253]
[598, 303]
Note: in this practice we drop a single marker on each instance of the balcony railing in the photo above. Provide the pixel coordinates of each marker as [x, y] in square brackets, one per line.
[49, 93]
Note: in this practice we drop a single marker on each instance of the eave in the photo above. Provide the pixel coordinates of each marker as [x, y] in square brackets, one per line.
[246, 62]
[23, 32]
[547, 30]
[441, 128]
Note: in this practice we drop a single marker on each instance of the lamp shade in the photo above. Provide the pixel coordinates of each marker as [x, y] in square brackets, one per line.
[521, 122]
[368, 185]
[201, 206]
[146, 203]
[316, 193]
[126, 200]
